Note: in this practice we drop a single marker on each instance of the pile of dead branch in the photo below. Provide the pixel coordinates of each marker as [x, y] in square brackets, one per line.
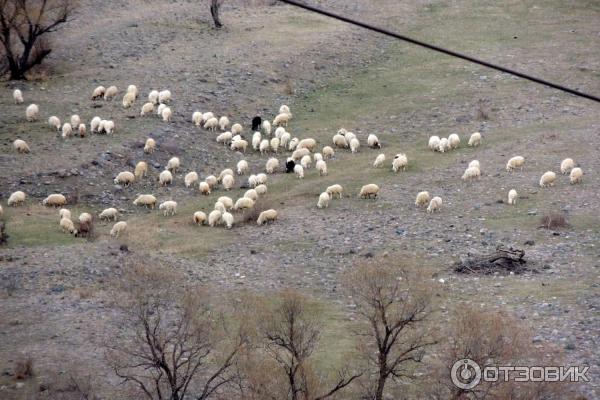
[503, 261]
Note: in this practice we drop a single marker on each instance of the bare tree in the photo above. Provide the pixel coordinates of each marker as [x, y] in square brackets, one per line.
[391, 307]
[291, 332]
[178, 343]
[215, 5]
[24, 25]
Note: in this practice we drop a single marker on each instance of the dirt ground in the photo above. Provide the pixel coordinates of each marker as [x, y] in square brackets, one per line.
[56, 289]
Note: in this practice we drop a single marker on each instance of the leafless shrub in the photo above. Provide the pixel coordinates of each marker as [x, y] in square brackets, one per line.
[250, 216]
[24, 368]
[70, 386]
[3, 234]
[73, 197]
[553, 220]
[482, 110]
[86, 230]
[215, 6]
[288, 87]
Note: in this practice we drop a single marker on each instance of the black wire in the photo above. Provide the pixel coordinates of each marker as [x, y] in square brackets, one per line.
[440, 49]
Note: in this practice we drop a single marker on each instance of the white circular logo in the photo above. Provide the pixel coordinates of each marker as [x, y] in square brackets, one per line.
[465, 374]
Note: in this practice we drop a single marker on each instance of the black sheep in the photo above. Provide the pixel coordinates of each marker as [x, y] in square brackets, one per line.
[289, 166]
[256, 122]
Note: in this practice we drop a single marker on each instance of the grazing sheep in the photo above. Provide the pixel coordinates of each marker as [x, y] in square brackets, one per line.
[204, 188]
[266, 127]
[224, 138]
[228, 182]
[321, 166]
[266, 217]
[211, 180]
[207, 115]
[251, 194]
[324, 199]
[226, 171]
[242, 167]
[289, 165]
[197, 118]
[293, 144]
[227, 219]
[252, 181]
[281, 120]
[18, 96]
[54, 200]
[434, 143]
[261, 189]
[173, 164]
[279, 132]
[373, 141]
[165, 178]
[444, 145]
[243, 203]
[475, 139]
[318, 157]
[576, 176]
[354, 145]
[547, 179]
[147, 108]
[111, 92]
[31, 113]
[190, 178]
[349, 136]
[514, 163]
[146, 200]
[237, 129]
[284, 109]
[369, 190]
[512, 196]
[261, 179]
[306, 161]
[454, 141]
[474, 163]
[298, 154]
[64, 213]
[94, 124]
[471, 173]
[55, 122]
[166, 114]
[75, 120]
[169, 207]
[223, 123]
[16, 199]
[133, 89]
[422, 199]
[141, 169]
[220, 206]
[85, 218]
[327, 152]
[109, 213]
[285, 139]
[82, 130]
[21, 146]
[264, 146]
[340, 141]
[67, 226]
[160, 109]
[124, 178]
[308, 143]
[211, 124]
[435, 204]
[256, 139]
[109, 127]
[239, 145]
[299, 171]
[164, 96]
[67, 130]
[379, 160]
[150, 146]
[567, 165]
[128, 99]
[226, 201]
[199, 218]
[335, 189]
[153, 97]
[400, 162]
[98, 92]
[274, 144]
[272, 165]
[118, 228]
[214, 218]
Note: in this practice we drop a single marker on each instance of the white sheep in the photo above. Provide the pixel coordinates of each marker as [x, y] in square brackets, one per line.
[369, 190]
[18, 96]
[261, 178]
[261, 189]
[211, 124]
[474, 163]
[146, 200]
[54, 122]
[324, 199]
[147, 108]
[82, 130]
[547, 179]
[512, 196]
[321, 166]
[165, 177]
[237, 129]
[354, 145]
[164, 96]
[444, 145]
[54, 200]
[251, 194]
[228, 182]
[211, 180]
[204, 188]
[434, 143]
[318, 157]
[207, 115]
[422, 199]
[161, 107]
[118, 228]
[111, 92]
[133, 89]
[223, 123]
[349, 136]
[243, 203]
[471, 173]
[299, 153]
[31, 112]
[173, 164]
[293, 144]
[266, 127]
[94, 124]
[109, 127]
[149, 146]
[475, 139]
[199, 218]
[435, 204]
[141, 169]
[124, 178]
[264, 146]
[299, 171]
[109, 214]
[190, 178]
[284, 109]
[128, 99]
[308, 143]
[400, 162]
[327, 152]
[281, 120]
[21, 146]
[274, 144]
[68, 226]
[335, 189]
[306, 161]
[373, 141]
[266, 217]
[67, 130]
[85, 218]
[256, 139]
[242, 167]
[340, 141]
[271, 165]
[214, 218]
[197, 118]
[379, 160]
[226, 201]
[98, 93]
[226, 171]
[239, 145]
[64, 213]
[227, 219]
[285, 139]
[153, 97]
[169, 207]
[454, 141]
[567, 165]
[514, 163]
[279, 132]
[75, 120]
[17, 198]
[224, 138]
[252, 182]
[166, 114]
[576, 176]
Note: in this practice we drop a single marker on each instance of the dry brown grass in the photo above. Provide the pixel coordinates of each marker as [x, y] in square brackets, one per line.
[554, 220]
[24, 368]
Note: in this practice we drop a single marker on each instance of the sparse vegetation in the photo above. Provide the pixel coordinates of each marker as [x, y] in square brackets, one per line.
[554, 220]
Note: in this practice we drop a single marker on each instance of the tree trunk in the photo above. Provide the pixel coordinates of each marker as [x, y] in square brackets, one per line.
[214, 11]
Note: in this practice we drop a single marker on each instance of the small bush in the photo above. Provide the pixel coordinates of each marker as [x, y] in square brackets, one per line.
[554, 220]
[24, 369]
[481, 111]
